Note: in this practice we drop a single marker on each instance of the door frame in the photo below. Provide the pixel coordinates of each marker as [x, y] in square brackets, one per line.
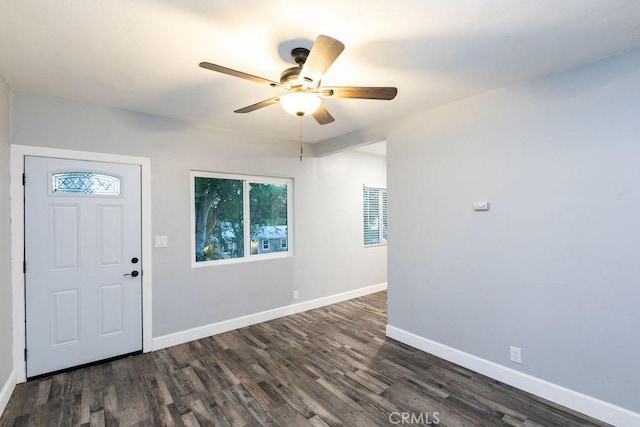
[18, 153]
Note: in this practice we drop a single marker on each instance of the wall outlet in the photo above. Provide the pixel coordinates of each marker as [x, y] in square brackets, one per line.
[516, 354]
[295, 294]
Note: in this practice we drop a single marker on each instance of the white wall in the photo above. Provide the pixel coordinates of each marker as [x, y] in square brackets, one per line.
[6, 356]
[553, 267]
[329, 254]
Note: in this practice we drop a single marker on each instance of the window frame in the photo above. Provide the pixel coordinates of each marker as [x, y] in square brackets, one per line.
[383, 198]
[247, 180]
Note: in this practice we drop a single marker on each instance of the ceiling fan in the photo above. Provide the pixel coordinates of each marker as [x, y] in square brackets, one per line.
[302, 83]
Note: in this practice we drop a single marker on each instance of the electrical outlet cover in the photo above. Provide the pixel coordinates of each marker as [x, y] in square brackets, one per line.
[516, 354]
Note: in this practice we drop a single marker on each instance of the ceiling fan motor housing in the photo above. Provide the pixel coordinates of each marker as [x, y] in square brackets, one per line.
[289, 78]
[299, 55]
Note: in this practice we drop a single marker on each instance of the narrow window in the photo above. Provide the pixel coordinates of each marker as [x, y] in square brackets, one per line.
[374, 218]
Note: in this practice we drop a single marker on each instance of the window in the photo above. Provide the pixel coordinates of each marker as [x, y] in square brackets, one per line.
[85, 183]
[237, 218]
[268, 208]
[374, 207]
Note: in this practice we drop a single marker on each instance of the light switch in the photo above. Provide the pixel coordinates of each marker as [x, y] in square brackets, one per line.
[162, 241]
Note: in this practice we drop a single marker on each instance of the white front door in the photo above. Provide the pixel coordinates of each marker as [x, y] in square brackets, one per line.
[82, 253]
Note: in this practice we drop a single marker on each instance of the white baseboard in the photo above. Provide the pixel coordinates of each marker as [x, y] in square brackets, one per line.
[181, 337]
[583, 403]
[7, 390]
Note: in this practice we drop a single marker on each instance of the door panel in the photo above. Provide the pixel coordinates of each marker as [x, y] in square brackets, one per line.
[109, 240]
[65, 308]
[111, 309]
[82, 228]
[65, 253]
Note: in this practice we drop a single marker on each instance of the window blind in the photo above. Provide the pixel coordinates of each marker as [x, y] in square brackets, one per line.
[374, 218]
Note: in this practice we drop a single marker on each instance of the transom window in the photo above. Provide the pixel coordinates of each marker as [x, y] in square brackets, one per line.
[85, 183]
[240, 218]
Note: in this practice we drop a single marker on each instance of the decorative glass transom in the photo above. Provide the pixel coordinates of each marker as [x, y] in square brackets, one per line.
[85, 183]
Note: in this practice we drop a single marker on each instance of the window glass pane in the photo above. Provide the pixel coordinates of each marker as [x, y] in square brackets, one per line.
[371, 208]
[85, 183]
[268, 217]
[218, 218]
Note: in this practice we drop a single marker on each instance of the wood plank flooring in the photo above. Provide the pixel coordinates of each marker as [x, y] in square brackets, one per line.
[326, 367]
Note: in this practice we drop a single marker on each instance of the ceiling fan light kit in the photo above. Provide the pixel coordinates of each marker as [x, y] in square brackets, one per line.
[302, 82]
[300, 103]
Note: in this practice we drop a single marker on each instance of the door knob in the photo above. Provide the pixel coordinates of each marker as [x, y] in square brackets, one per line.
[134, 260]
[134, 273]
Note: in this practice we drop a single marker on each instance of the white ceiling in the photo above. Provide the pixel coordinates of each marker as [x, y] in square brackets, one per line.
[143, 55]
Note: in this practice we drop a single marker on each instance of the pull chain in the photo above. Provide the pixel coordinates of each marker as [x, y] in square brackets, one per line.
[301, 138]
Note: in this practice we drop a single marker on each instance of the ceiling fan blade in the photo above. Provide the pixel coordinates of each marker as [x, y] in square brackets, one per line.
[323, 53]
[258, 105]
[236, 73]
[322, 116]
[361, 92]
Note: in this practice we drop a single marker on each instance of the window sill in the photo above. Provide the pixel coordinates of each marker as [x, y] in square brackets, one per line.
[251, 258]
[375, 245]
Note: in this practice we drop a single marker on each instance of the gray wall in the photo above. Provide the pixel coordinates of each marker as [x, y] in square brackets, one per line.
[6, 357]
[553, 266]
[329, 254]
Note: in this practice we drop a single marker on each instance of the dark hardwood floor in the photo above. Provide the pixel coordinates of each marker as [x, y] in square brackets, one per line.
[330, 366]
